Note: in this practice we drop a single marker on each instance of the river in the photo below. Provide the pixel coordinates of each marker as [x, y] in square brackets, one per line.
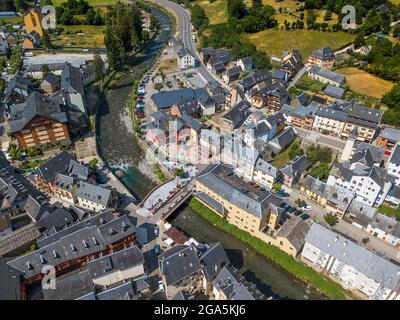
[118, 147]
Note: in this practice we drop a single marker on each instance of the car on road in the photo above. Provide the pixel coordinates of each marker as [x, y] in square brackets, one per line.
[306, 208]
[283, 193]
[140, 97]
[156, 231]
[157, 249]
[305, 216]
[284, 205]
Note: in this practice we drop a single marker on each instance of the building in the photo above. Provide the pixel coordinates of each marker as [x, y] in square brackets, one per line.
[93, 197]
[185, 59]
[163, 101]
[237, 115]
[37, 121]
[326, 76]
[4, 46]
[353, 266]
[51, 84]
[218, 61]
[33, 21]
[393, 165]
[17, 91]
[323, 57]
[334, 92]
[180, 269]
[292, 62]
[302, 117]
[117, 267]
[388, 138]
[231, 74]
[293, 172]
[282, 140]
[72, 88]
[245, 64]
[265, 174]
[18, 241]
[31, 40]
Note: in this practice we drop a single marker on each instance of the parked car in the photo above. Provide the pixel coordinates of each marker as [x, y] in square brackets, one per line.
[157, 249]
[156, 230]
[298, 212]
[160, 286]
[306, 208]
[140, 97]
[141, 115]
[305, 216]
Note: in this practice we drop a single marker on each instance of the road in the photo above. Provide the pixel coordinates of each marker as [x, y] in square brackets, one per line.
[298, 76]
[317, 213]
[324, 140]
[185, 30]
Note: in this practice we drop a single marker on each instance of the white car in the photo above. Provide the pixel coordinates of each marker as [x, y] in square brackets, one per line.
[306, 208]
[160, 286]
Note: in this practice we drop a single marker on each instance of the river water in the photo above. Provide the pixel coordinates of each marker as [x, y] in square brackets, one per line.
[118, 147]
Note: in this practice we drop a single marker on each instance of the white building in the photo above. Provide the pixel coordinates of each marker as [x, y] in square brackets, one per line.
[353, 266]
[185, 59]
[326, 76]
[393, 166]
[92, 197]
[265, 174]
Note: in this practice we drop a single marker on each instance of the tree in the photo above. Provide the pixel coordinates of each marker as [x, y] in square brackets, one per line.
[48, 2]
[93, 163]
[98, 67]
[328, 15]
[359, 41]
[45, 69]
[180, 172]
[199, 17]
[277, 187]
[392, 98]
[90, 16]
[310, 19]
[365, 241]
[20, 5]
[331, 219]
[257, 4]
[300, 203]
[396, 31]
[236, 9]
[46, 41]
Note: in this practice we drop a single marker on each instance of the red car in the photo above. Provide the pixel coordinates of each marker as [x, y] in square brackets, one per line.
[141, 115]
[140, 97]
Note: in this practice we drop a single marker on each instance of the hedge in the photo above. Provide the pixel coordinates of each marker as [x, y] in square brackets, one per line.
[298, 269]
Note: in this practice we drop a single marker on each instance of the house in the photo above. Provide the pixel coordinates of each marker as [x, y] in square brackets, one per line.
[210, 144]
[93, 197]
[302, 117]
[218, 61]
[393, 165]
[295, 170]
[72, 88]
[163, 101]
[323, 57]
[281, 75]
[353, 266]
[172, 42]
[212, 260]
[180, 269]
[4, 46]
[231, 74]
[237, 115]
[292, 62]
[33, 21]
[63, 187]
[31, 40]
[245, 64]
[9, 282]
[229, 285]
[313, 189]
[185, 59]
[282, 140]
[44, 175]
[19, 241]
[78, 170]
[265, 174]
[33, 208]
[206, 53]
[37, 121]
[378, 225]
[292, 234]
[117, 267]
[300, 100]
[272, 97]
[77, 243]
[18, 90]
[56, 220]
[326, 76]
[334, 92]
[51, 84]
[388, 138]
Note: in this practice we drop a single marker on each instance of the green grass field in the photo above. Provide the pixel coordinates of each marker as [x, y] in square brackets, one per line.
[274, 42]
[57, 3]
[93, 36]
[390, 212]
[14, 20]
[215, 11]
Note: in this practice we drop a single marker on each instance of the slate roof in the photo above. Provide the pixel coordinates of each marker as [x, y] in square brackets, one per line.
[213, 260]
[391, 134]
[167, 99]
[52, 79]
[75, 169]
[283, 139]
[327, 74]
[71, 79]
[57, 164]
[334, 92]
[56, 219]
[35, 105]
[93, 193]
[115, 262]
[191, 122]
[233, 189]
[179, 263]
[234, 71]
[298, 166]
[313, 184]
[64, 182]
[18, 238]
[395, 156]
[294, 230]
[10, 282]
[126, 291]
[364, 261]
[229, 283]
[83, 242]
[267, 168]
[183, 52]
[325, 53]
[238, 114]
[33, 208]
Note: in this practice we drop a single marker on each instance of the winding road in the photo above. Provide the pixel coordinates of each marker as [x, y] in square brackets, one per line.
[185, 32]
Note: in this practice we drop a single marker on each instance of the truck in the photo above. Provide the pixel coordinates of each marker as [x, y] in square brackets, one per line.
[194, 37]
